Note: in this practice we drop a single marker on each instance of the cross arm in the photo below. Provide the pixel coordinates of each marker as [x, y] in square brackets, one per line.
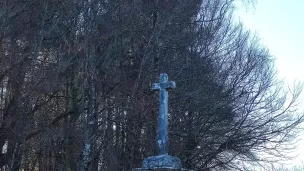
[155, 86]
[166, 85]
[170, 85]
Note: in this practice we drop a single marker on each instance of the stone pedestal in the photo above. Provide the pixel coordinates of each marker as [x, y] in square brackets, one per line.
[141, 169]
[161, 163]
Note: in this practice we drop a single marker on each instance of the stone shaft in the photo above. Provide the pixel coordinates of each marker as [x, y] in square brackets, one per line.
[162, 132]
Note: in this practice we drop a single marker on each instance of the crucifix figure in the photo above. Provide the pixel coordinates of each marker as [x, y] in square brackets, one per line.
[162, 132]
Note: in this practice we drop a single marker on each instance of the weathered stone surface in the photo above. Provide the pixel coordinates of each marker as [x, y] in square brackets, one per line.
[160, 169]
[162, 132]
[162, 161]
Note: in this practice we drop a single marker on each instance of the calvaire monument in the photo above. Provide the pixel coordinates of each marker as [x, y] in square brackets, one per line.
[163, 161]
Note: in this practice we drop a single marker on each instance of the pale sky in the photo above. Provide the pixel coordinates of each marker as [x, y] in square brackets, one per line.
[280, 26]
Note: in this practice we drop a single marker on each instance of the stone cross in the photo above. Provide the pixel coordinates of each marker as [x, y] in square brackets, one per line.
[163, 161]
[162, 131]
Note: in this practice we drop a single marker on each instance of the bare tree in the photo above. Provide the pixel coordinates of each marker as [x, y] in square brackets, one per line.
[75, 82]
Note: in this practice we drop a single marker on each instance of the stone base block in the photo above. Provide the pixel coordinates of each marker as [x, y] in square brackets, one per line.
[161, 163]
[160, 169]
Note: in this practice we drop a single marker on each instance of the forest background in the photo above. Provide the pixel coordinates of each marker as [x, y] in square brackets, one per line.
[75, 79]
